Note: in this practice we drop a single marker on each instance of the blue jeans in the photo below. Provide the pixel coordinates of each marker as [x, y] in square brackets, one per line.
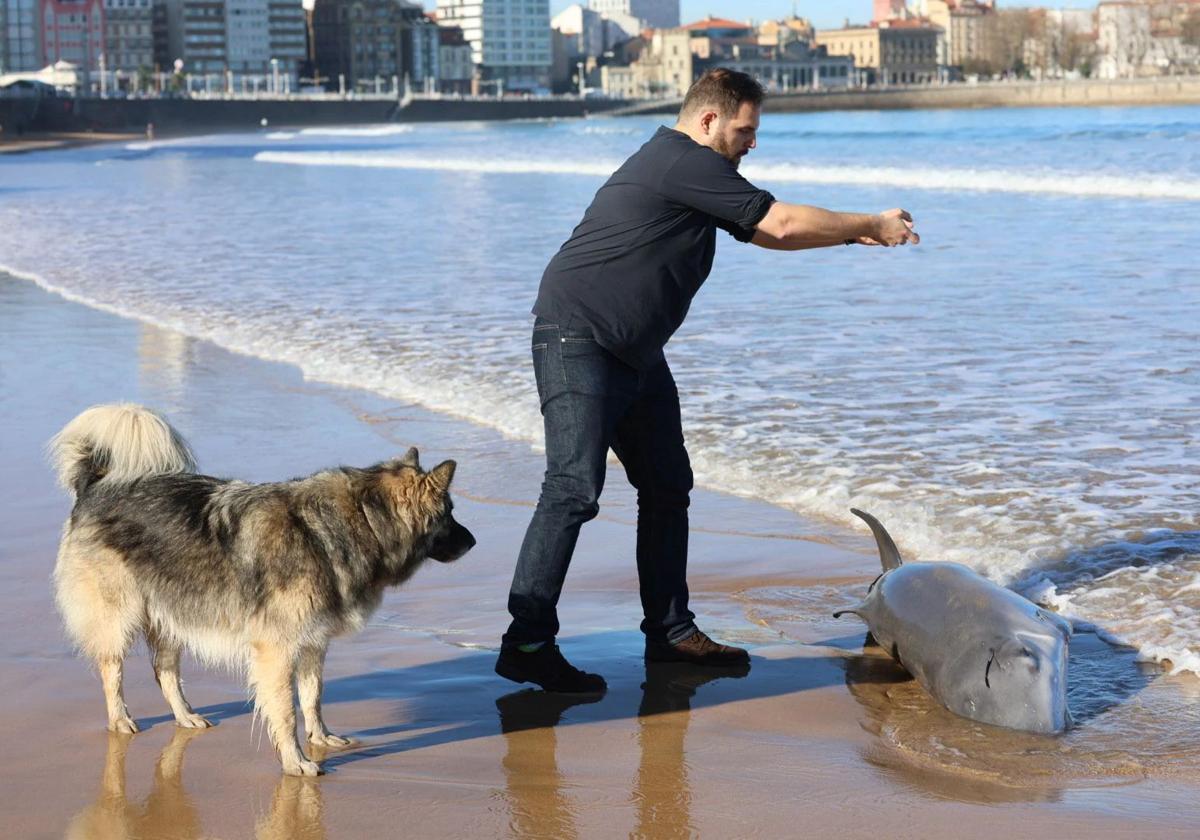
[591, 402]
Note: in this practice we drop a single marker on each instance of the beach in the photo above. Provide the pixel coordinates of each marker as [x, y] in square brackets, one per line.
[1017, 394]
[817, 739]
[49, 140]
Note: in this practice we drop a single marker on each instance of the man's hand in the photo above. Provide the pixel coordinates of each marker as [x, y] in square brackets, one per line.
[894, 227]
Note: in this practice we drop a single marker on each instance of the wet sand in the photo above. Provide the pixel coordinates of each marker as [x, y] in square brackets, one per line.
[819, 738]
[40, 141]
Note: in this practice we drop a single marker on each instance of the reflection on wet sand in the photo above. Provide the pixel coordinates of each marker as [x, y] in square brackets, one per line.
[537, 803]
[662, 793]
[535, 790]
[295, 811]
[168, 811]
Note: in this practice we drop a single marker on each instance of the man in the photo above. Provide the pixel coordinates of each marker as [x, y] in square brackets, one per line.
[609, 301]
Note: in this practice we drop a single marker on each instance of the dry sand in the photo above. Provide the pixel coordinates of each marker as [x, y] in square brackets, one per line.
[812, 742]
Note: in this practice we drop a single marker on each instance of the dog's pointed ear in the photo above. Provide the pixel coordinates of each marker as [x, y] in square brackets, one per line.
[411, 458]
[441, 475]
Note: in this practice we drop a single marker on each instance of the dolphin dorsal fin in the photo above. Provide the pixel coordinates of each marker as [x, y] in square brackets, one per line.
[889, 555]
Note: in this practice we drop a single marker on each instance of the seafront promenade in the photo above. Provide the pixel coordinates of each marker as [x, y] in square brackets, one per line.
[1164, 90]
[20, 118]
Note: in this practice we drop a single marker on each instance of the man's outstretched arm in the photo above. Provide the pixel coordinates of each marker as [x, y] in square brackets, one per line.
[795, 227]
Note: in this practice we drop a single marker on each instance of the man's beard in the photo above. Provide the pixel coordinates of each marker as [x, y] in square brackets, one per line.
[726, 150]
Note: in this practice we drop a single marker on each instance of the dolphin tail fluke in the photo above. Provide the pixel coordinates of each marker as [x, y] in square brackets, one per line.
[889, 555]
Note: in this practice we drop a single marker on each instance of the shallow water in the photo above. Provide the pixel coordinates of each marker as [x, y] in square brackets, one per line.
[1019, 393]
[448, 745]
[1131, 720]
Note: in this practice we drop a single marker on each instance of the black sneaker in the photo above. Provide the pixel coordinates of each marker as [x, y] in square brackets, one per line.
[548, 668]
[697, 649]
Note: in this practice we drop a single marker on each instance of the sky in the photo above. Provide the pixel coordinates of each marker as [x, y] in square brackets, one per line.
[825, 14]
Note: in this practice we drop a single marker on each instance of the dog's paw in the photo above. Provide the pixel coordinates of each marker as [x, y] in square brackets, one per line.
[328, 739]
[193, 721]
[125, 725]
[302, 768]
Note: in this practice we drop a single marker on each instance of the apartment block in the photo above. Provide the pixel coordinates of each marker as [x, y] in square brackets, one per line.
[510, 39]
[128, 34]
[72, 31]
[654, 14]
[894, 52]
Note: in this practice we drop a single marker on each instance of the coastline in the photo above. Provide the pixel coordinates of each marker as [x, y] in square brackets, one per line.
[94, 120]
[43, 141]
[445, 744]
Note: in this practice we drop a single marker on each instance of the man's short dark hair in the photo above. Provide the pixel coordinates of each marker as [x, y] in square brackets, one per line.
[722, 90]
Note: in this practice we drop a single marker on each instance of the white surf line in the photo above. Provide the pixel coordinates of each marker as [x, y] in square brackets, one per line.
[1148, 186]
[496, 167]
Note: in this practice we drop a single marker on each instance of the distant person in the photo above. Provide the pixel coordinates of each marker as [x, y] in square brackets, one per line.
[609, 300]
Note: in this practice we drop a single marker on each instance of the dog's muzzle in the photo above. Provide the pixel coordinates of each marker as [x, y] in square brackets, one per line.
[453, 545]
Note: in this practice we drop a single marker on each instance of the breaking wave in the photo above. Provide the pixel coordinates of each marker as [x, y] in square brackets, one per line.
[1146, 186]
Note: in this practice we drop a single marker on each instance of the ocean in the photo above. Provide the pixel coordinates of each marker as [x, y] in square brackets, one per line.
[1020, 393]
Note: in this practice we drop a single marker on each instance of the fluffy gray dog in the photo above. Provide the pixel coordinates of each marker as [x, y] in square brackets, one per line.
[257, 576]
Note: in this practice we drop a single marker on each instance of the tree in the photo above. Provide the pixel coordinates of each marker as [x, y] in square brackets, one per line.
[1190, 29]
[1011, 34]
[1077, 51]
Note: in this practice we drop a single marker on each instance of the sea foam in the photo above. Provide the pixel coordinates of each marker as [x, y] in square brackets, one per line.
[1147, 186]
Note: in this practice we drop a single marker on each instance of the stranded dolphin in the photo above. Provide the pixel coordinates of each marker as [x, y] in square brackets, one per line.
[981, 650]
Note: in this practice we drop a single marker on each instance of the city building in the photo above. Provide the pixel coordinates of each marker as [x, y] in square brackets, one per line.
[236, 44]
[1146, 38]
[651, 14]
[715, 38]
[160, 29]
[22, 49]
[455, 67]
[128, 35]
[584, 30]
[247, 44]
[966, 26]
[666, 66]
[422, 58]
[620, 81]
[791, 70]
[72, 31]
[510, 41]
[195, 36]
[782, 33]
[894, 52]
[374, 45]
[777, 56]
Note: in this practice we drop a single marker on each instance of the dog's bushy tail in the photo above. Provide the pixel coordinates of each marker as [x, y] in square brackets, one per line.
[117, 442]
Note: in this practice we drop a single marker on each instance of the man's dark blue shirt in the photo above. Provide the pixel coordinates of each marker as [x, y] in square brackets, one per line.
[645, 246]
